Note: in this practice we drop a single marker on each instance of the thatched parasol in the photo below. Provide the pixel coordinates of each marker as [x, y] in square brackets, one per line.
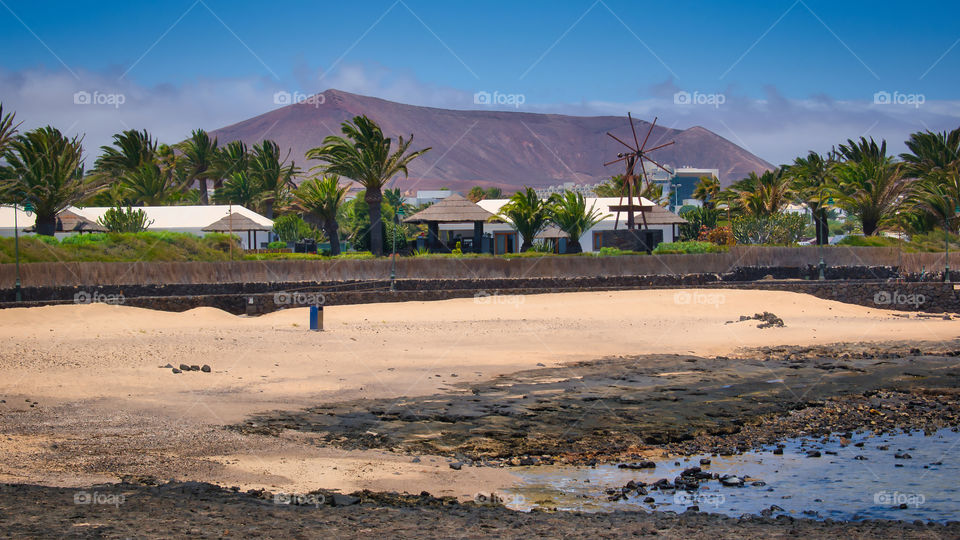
[234, 222]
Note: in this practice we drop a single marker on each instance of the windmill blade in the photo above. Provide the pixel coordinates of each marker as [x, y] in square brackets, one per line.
[659, 147]
[614, 161]
[634, 130]
[623, 143]
[657, 164]
[646, 178]
[653, 125]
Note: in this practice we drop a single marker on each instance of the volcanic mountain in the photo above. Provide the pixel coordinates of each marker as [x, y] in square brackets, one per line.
[489, 147]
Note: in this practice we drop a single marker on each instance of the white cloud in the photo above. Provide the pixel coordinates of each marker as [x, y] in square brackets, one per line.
[775, 128]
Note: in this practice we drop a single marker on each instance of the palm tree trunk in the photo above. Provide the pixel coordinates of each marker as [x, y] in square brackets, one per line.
[268, 208]
[332, 228]
[526, 244]
[373, 199]
[46, 225]
[573, 246]
[823, 227]
[203, 191]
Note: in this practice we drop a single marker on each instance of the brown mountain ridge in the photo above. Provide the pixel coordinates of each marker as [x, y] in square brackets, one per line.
[490, 147]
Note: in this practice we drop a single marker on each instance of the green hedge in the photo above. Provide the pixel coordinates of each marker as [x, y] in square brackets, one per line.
[672, 248]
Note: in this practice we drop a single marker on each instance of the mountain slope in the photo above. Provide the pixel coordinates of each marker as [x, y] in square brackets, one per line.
[507, 149]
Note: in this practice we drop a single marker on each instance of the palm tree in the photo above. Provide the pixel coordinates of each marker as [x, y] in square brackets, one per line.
[322, 198]
[871, 185]
[760, 195]
[7, 129]
[526, 213]
[199, 153]
[230, 158]
[240, 188]
[45, 169]
[569, 212]
[394, 199]
[706, 191]
[614, 187]
[493, 193]
[934, 160]
[131, 149]
[811, 180]
[273, 176]
[364, 155]
[150, 185]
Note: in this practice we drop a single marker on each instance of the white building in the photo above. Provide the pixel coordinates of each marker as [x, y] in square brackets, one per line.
[506, 239]
[187, 219]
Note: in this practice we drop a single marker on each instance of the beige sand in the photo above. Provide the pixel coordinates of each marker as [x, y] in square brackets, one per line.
[97, 366]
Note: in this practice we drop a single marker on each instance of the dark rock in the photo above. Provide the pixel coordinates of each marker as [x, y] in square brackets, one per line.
[456, 466]
[184, 367]
[339, 499]
[205, 369]
[175, 370]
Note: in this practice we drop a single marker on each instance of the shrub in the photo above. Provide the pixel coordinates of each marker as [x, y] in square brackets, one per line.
[778, 229]
[669, 248]
[277, 245]
[721, 236]
[292, 228]
[541, 247]
[120, 220]
[697, 218]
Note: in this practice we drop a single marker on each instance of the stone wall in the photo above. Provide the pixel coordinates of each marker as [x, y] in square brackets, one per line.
[253, 299]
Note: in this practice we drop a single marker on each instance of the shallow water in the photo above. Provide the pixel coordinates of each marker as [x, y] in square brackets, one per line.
[837, 486]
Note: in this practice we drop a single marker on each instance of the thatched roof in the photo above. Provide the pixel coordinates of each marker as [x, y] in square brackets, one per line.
[453, 209]
[552, 231]
[68, 221]
[659, 215]
[235, 222]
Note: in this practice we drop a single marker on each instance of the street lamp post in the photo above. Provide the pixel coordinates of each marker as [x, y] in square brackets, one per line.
[393, 263]
[946, 244]
[16, 244]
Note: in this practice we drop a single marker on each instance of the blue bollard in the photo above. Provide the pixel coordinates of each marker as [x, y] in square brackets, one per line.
[316, 318]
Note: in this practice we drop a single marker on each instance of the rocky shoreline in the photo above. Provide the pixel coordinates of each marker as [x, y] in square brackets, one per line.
[631, 408]
[201, 510]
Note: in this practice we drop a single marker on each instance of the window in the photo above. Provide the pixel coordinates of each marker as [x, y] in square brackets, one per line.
[597, 240]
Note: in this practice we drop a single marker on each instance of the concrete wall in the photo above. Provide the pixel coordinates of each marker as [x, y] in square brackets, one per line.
[164, 273]
[928, 297]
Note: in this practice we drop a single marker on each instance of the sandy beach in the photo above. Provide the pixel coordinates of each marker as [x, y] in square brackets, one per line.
[82, 377]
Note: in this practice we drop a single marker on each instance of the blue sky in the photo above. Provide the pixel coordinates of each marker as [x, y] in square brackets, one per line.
[792, 75]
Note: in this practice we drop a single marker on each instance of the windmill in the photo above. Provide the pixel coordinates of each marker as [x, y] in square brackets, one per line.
[637, 154]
